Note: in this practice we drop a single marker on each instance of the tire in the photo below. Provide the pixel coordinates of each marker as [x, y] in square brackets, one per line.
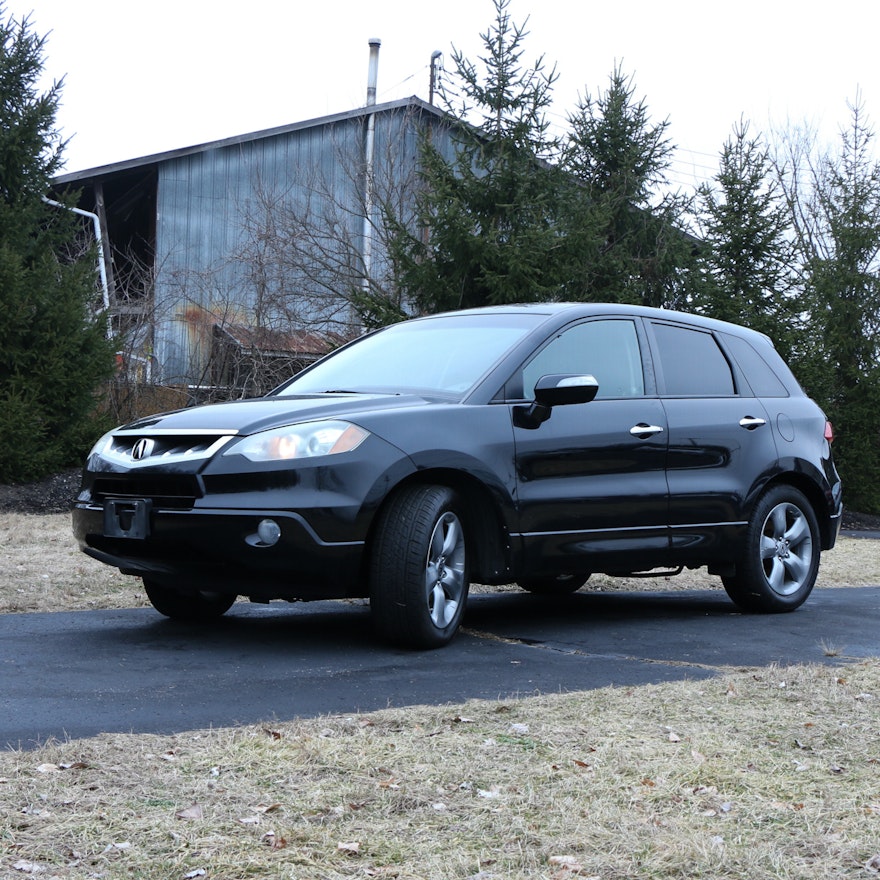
[559, 585]
[191, 607]
[780, 559]
[419, 569]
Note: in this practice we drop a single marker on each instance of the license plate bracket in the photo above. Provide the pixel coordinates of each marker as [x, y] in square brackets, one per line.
[127, 518]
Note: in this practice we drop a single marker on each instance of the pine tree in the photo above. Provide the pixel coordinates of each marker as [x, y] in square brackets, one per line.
[621, 159]
[746, 256]
[839, 241]
[486, 229]
[52, 354]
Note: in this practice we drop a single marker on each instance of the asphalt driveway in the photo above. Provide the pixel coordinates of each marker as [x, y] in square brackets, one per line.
[80, 673]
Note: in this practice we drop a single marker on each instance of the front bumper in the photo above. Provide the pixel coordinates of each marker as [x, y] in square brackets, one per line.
[218, 549]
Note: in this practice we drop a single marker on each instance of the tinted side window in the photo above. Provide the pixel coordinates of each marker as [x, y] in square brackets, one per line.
[608, 350]
[692, 363]
[764, 382]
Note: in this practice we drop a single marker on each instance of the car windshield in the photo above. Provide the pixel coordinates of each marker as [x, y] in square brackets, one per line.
[445, 355]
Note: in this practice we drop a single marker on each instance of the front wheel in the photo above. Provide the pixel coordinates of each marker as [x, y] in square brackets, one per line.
[419, 568]
[191, 607]
[780, 559]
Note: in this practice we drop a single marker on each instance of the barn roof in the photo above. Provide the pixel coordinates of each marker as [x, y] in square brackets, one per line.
[133, 164]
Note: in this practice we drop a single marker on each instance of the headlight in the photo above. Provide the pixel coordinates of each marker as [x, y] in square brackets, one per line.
[300, 441]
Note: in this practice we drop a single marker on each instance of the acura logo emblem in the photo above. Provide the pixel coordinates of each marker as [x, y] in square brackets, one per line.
[143, 449]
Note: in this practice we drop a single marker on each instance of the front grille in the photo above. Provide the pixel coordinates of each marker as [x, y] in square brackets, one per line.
[177, 491]
[164, 446]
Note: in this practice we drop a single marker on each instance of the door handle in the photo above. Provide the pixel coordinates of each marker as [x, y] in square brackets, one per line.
[644, 431]
[750, 423]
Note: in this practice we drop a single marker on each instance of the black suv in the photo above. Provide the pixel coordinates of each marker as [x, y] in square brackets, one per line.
[534, 444]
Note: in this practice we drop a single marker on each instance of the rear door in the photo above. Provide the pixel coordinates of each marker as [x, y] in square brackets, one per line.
[591, 483]
[721, 444]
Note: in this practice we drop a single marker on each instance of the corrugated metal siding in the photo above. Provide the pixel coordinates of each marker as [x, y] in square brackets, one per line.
[204, 199]
[203, 202]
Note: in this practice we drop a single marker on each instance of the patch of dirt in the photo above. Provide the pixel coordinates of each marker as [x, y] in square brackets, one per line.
[54, 494]
[861, 522]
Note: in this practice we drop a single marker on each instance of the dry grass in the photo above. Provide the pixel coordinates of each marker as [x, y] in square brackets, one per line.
[771, 773]
[41, 569]
[759, 774]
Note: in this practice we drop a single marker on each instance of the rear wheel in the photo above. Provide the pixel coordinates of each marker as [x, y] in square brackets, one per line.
[419, 568]
[201, 605]
[558, 585]
[780, 559]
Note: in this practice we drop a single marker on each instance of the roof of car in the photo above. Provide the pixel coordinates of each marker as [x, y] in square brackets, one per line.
[587, 309]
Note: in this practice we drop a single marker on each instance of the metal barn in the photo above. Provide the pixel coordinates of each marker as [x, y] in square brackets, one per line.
[260, 236]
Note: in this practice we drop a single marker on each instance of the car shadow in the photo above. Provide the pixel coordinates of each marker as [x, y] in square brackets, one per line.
[698, 627]
[344, 627]
[264, 629]
[694, 626]
[679, 604]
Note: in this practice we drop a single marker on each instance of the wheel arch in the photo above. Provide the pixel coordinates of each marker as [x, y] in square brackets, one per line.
[814, 495]
[482, 516]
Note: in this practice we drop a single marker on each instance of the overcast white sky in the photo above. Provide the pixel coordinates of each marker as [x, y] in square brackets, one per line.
[143, 77]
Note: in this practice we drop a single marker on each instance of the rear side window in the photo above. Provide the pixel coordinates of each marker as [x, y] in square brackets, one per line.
[692, 364]
[607, 350]
[764, 382]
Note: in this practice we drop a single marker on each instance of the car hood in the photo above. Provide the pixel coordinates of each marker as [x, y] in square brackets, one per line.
[264, 413]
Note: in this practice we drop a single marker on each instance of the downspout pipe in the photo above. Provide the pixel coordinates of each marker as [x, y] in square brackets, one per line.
[372, 81]
[102, 268]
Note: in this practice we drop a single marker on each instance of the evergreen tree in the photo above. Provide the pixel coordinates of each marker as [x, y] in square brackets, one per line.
[621, 160]
[486, 229]
[838, 237]
[52, 354]
[745, 261]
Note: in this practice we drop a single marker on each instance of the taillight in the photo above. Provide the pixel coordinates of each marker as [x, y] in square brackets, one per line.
[829, 431]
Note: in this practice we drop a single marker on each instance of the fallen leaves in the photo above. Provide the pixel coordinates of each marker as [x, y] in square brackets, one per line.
[61, 767]
[273, 841]
[27, 867]
[568, 865]
[259, 811]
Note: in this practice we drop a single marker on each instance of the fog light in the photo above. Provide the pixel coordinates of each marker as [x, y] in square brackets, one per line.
[269, 532]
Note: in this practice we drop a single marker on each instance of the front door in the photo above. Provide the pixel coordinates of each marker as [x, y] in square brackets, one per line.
[591, 482]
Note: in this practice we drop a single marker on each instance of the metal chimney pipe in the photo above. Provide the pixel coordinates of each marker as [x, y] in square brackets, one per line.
[372, 79]
[373, 72]
[436, 55]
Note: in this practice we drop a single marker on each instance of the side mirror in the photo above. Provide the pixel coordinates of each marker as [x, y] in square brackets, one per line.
[555, 390]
